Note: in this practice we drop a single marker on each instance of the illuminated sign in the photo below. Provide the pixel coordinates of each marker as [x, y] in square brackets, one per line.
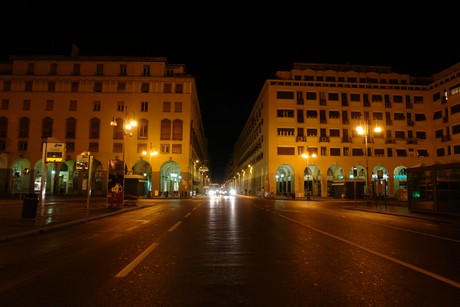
[55, 152]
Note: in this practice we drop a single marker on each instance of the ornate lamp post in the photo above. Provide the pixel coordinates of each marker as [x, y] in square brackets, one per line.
[306, 155]
[363, 129]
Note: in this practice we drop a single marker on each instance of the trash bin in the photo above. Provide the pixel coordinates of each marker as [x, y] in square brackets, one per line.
[29, 206]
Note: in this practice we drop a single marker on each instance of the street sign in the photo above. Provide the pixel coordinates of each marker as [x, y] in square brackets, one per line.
[55, 152]
[83, 160]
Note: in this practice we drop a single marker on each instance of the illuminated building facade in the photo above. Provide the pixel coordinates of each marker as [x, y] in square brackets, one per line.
[317, 108]
[84, 103]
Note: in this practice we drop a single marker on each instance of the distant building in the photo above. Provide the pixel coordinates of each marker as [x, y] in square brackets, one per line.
[84, 102]
[314, 109]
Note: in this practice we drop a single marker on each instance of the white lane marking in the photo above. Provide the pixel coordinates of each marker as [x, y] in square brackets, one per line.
[420, 233]
[174, 226]
[408, 265]
[136, 261]
[188, 214]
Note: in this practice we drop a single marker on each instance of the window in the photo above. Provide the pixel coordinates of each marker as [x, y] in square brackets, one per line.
[397, 99]
[456, 129]
[75, 87]
[285, 95]
[49, 105]
[76, 69]
[379, 152]
[310, 96]
[421, 135]
[400, 134]
[437, 114]
[53, 69]
[355, 97]
[420, 117]
[312, 132]
[24, 127]
[117, 147]
[166, 106]
[22, 145]
[334, 114]
[47, 127]
[177, 129]
[26, 104]
[164, 148]
[401, 152]
[28, 86]
[178, 107]
[440, 152]
[179, 88]
[167, 88]
[120, 106]
[93, 147]
[97, 86]
[144, 106]
[96, 106]
[3, 127]
[333, 96]
[71, 128]
[123, 69]
[143, 127]
[334, 152]
[399, 116]
[377, 115]
[2, 145]
[334, 132]
[285, 113]
[7, 86]
[70, 146]
[30, 68]
[418, 99]
[285, 131]
[121, 87]
[94, 128]
[146, 70]
[72, 105]
[286, 151]
[176, 148]
[422, 153]
[455, 108]
[5, 104]
[357, 152]
[312, 114]
[145, 87]
[165, 133]
[118, 132]
[376, 98]
[355, 115]
[99, 69]
[51, 86]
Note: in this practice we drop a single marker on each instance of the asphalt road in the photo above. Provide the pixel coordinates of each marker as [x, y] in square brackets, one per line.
[236, 252]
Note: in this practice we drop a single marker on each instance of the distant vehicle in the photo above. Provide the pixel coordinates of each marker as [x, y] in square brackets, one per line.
[215, 189]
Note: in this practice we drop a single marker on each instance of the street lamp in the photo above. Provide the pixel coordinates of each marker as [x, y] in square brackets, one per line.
[126, 129]
[306, 155]
[363, 129]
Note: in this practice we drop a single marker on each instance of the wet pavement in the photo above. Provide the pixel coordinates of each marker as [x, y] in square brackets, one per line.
[18, 218]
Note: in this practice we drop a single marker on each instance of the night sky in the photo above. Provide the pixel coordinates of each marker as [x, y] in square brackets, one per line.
[232, 50]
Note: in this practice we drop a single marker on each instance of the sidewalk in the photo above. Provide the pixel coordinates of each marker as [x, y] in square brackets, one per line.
[64, 211]
[57, 212]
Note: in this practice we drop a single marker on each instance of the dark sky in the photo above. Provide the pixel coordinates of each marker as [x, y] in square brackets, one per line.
[232, 50]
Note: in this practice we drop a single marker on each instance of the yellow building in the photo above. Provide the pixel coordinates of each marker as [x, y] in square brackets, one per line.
[301, 136]
[83, 103]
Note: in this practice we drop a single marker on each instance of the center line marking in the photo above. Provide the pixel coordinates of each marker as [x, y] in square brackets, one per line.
[136, 261]
[175, 226]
